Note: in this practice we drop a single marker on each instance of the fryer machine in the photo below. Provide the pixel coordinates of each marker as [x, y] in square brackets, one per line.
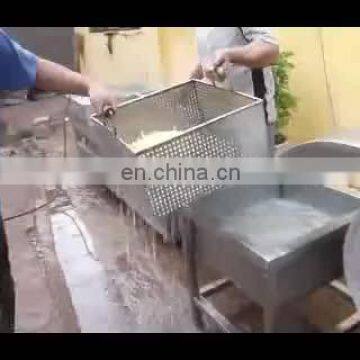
[277, 243]
[212, 123]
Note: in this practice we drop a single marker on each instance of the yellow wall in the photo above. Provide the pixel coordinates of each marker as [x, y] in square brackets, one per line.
[308, 82]
[163, 56]
[135, 60]
[342, 50]
[326, 78]
[178, 53]
[324, 104]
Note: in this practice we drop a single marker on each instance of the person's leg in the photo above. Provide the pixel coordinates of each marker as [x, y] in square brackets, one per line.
[7, 291]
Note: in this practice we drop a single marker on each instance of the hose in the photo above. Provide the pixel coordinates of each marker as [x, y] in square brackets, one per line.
[31, 211]
[109, 111]
[49, 202]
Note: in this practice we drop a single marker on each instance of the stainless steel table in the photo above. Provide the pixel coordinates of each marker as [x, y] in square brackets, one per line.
[277, 243]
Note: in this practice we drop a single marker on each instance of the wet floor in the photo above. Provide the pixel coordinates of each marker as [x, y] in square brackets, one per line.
[118, 277]
[81, 265]
[135, 282]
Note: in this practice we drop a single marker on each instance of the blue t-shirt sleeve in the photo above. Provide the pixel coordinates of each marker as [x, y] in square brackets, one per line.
[17, 65]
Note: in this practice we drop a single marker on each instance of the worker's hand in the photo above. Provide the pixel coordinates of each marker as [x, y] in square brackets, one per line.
[209, 70]
[101, 97]
[197, 72]
[208, 81]
[209, 66]
[222, 57]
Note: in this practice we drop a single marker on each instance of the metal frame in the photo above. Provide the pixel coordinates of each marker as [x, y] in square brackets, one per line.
[199, 303]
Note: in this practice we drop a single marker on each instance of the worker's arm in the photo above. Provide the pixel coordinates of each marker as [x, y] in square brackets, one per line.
[21, 69]
[261, 51]
[257, 54]
[54, 77]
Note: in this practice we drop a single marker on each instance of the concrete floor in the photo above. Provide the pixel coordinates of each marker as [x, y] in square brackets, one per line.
[80, 265]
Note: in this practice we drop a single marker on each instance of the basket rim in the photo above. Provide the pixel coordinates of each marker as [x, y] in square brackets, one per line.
[256, 102]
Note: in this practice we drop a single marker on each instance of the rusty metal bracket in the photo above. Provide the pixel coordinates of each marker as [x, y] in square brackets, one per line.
[207, 308]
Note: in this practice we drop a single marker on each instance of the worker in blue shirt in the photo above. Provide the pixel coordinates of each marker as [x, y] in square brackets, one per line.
[19, 70]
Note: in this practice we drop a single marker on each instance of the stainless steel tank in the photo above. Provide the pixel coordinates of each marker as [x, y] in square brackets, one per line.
[218, 121]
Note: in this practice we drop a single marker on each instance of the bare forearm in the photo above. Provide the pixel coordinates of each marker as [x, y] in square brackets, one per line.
[54, 77]
[258, 54]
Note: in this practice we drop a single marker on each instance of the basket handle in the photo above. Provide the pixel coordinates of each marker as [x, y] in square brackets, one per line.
[220, 73]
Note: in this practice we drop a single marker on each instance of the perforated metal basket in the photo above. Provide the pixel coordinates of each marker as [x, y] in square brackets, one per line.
[209, 120]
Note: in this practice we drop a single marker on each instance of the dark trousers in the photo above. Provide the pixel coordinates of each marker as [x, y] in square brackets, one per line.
[7, 290]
